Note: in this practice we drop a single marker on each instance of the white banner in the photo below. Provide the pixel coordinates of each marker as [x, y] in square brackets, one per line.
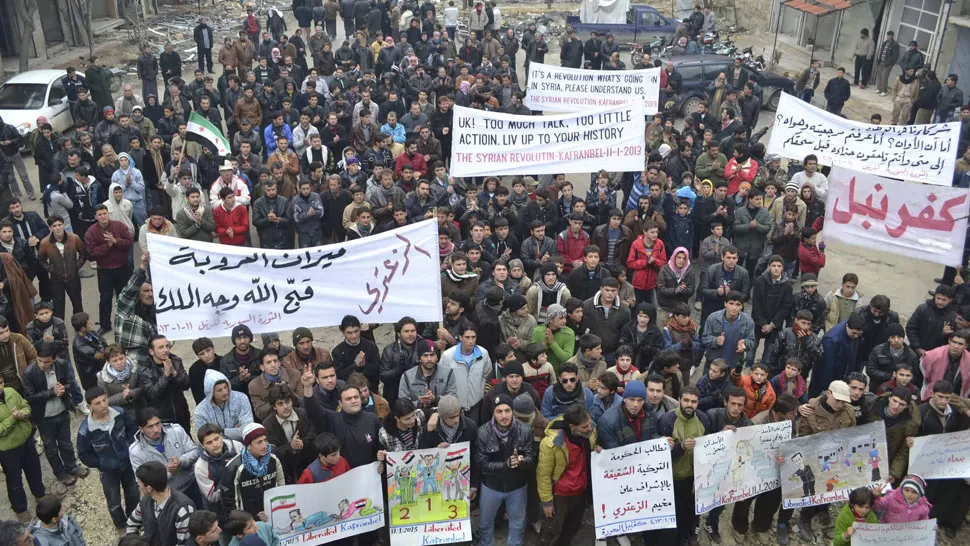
[731, 466]
[914, 533]
[925, 153]
[318, 513]
[825, 467]
[941, 456]
[564, 89]
[427, 495]
[492, 143]
[205, 289]
[914, 220]
[633, 489]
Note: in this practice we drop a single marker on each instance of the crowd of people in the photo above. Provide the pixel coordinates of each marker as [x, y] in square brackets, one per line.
[572, 322]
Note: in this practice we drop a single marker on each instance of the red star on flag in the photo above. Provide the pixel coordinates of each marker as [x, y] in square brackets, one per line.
[201, 129]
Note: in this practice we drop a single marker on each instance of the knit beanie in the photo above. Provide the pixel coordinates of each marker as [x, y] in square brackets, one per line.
[523, 406]
[513, 367]
[269, 337]
[548, 267]
[301, 333]
[895, 329]
[251, 432]
[241, 331]
[448, 406]
[502, 400]
[902, 392]
[635, 389]
[915, 483]
[555, 310]
[515, 302]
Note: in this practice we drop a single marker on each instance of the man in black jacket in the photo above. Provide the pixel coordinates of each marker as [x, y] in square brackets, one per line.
[505, 458]
[162, 514]
[203, 37]
[53, 392]
[591, 51]
[10, 141]
[571, 55]
[837, 92]
[356, 354]
[164, 381]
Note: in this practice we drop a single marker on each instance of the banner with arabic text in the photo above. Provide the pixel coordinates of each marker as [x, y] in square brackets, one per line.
[913, 533]
[318, 513]
[205, 289]
[734, 465]
[941, 456]
[925, 153]
[428, 495]
[914, 220]
[564, 89]
[633, 489]
[494, 143]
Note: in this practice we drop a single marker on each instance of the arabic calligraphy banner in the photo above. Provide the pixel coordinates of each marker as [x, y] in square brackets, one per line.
[427, 495]
[926, 153]
[915, 533]
[941, 456]
[319, 513]
[564, 89]
[493, 143]
[205, 289]
[915, 220]
[633, 489]
[731, 466]
[825, 467]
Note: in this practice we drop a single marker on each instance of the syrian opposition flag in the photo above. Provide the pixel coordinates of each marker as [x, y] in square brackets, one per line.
[284, 502]
[201, 130]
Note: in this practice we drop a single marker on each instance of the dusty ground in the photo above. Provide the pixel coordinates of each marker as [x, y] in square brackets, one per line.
[904, 280]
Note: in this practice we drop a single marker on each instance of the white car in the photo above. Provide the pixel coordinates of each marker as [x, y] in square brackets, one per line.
[25, 97]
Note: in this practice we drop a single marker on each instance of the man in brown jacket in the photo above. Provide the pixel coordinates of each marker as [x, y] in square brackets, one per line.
[273, 373]
[63, 265]
[245, 53]
[305, 352]
[227, 55]
[16, 353]
[247, 107]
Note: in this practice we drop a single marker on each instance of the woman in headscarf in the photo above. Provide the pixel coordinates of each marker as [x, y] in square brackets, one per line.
[676, 281]
[153, 110]
[133, 185]
[814, 207]
[276, 59]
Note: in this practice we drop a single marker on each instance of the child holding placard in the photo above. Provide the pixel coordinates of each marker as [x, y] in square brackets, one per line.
[858, 510]
[905, 504]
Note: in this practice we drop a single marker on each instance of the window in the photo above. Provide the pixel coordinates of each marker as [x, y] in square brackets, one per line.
[22, 96]
[57, 94]
[712, 70]
[918, 21]
[691, 73]
[649, 19]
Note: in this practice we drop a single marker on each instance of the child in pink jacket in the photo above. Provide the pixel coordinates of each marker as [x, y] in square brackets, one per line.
[904, 504]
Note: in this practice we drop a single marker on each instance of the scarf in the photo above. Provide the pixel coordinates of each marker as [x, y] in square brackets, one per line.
[449, 434]
[131, 164]
[274, 378]
[444, 252]
[159, 164]
[257, 467]
[550, 294]
[455, 277]
[364, 230]
[565, 398]
[512, 325]
[689, 329]
[121, 375]
[503, 436]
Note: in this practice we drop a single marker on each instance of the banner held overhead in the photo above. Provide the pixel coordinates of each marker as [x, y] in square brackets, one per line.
[491, 143]
[564, 89]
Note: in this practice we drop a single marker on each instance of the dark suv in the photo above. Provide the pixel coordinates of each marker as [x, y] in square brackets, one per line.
[699, 71]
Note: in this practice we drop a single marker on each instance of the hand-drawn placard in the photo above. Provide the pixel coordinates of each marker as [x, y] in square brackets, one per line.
[564, 89]
[825, 467]
[205, 289]
[633, 489]
[924, 153]
[492, 143]
[731, 466]
[941, 456]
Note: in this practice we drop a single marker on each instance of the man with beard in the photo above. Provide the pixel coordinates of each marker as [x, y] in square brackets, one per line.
[568, 391]
[194, 221]
[271, 216]
[681, 427]
[400, 356]
[238, 365]
[305, 352]
[425, 384]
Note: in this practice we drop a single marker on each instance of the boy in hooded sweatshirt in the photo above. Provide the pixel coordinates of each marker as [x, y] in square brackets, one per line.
[905, 504]
[229, 409]
[52, 527]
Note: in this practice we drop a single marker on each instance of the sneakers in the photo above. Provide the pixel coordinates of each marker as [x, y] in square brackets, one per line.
[783, 539]
[882, 94]
[712, 532]
[83, 408]
[739, 538]
[81, 471]
[805, 531]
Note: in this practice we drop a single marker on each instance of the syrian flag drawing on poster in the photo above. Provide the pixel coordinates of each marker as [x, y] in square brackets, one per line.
[205, 133]
[282, 503]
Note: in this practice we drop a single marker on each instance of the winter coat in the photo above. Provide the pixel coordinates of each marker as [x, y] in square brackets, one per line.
[638, 261]
[713, 277]
[294, 462]
[845, 520]
[273, 234]
[67, 533]
[772, 300]
[758, 398]
[787, 345]
[164, 393]
[106, 450]
[209, 471]
[491, 458]
[823, 421]
[14, 432]
[470, 381]
[178, 444]
[646, 345]
[839, 307]
[414, 384]
[895, 509]
[669, 280]
[621, 250]
[115, 389]
[837, 92]
[595, 321]
[240, 489]
[554, 458]
[232, 417]
[934, 365]
[882, 363]
[750, 241]
[37, 393]
[714, 327]
[841, 354]
[896, 434]
[615, 428]
[924, 329]
[552, 408]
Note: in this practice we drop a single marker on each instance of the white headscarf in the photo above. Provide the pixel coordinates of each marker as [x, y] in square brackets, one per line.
[115, 209]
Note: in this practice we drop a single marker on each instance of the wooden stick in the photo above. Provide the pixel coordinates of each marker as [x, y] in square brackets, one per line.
[185, 143]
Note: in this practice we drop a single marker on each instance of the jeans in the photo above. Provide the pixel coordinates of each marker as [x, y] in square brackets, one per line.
[61, 290]
[489, 503]
[112, 481]
[110, 283]
[943, 116]
[806, 95]
[19, 461]
[646, 296]
[204, 54]
[451, 33]
[309, 239]
[55, 432]
[714, 517]
[18, 163]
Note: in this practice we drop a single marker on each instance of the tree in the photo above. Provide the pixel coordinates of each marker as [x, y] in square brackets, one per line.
[84, 6]
[26, 9]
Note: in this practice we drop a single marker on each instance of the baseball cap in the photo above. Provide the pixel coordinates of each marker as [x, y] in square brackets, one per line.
[840, 391]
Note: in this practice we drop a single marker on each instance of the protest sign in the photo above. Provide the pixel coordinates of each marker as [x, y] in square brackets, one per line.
[564, 89]
[734, 465]
[493, 143]
[925, 153]
[427, 495]
[838, 461]
[941, 456]
[205, 289]
[319, 513]
[906, 218]
[914, 533]
[633, 489]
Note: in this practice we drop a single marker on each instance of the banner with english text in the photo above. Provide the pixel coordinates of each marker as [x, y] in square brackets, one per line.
[318, 513]
[924, 153]
[734, 465]
[564, 89]
[919, 221]
[205, 289]
[428, 495]
[493, 143]
[633, 489]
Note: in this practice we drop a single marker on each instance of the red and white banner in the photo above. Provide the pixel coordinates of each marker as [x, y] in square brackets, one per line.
[906, 218]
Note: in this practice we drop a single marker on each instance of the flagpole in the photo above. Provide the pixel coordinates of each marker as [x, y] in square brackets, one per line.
[185, 142]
